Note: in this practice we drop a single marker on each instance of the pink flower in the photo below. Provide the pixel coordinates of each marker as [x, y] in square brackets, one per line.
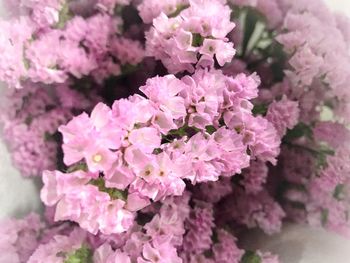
[257, 210]
[19, 238]
[58, 245]
[14, 35]
[114, 218]
[161, 252]
[283, 114]
[306, 65]
[73, 141]
[56, 184]
[262, 139]
[164, 91]
[78, 145]
[255, 177]
[213, 192]
[199, 229]
[98, 158]
[158, 177]
[193, 37]
[127, 51]
[119, 176]
[146, 139]
[233, 152]
[226, 250]
[105, 254]
[334, 134]
[150, 9]
[164, 122]
[109, 5]
[267, 257]
[136, 202]
[135, 109]
[79, 201]
[224, 52]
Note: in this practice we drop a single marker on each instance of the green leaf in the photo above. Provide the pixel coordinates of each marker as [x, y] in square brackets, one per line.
[118, 10]
[28, 120]
[81, 255]
[157, 151]
[250, 257]
[322, 156]
[298, 131]
[77, 167]
[48, 137]
[208, 253]
[260, 109]
[179, 132]
[197, 40]
[64, 16]
[338, 191]
[112, 192]
[324, 216]
[251, 19]
[210, 129]
[128, 68]
[26, 63]
[178, 10]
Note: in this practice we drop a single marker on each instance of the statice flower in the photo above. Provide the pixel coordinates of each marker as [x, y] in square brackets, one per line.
[109, 6]
[43, 14]
[19, 238]
[255, 210]
[255, 177]
[267, 257]
[82, 202]
[92, 43]
[208, 147]
[213, 192]
[127, 51]
[53, 52]
[311, 59]
[329, 193]
[28, 129]
[343, 25]
[226, 249]
[14, 35]
[333, 133]
[194, 37]
[284, 115]
[271, 8]
[62, 248]
[150, 9]
[298, 165]
[105, 254]
[159, 238]
[262, 139]
[144, 148]
[30, 119]
[199, 229]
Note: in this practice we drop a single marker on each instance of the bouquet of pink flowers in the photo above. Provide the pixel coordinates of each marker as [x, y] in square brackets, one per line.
[163, 130]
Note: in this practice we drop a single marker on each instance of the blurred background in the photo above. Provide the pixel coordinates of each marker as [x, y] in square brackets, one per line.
[339, 5]
[296, 244]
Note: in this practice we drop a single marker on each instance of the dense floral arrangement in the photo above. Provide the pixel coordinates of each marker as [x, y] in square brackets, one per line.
[163, 130]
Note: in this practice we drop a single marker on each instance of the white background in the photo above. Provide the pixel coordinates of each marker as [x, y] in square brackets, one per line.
[296, 244]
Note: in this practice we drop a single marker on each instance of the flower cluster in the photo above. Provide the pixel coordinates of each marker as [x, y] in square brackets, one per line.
[30, 119]
[19, 238]
[175, 226]
[312, 62]
[194, 35]
[53, 49]
[197, 129]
